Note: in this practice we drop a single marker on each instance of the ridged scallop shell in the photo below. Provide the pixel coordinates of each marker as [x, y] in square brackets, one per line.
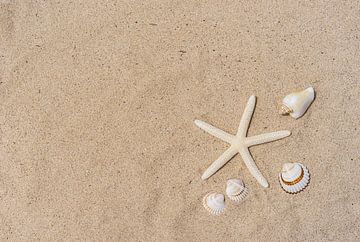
[294, 177]
[236, 190]
[297, 103]
[214, 203]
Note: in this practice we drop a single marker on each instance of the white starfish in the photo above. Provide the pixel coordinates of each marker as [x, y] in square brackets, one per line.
[240, 143]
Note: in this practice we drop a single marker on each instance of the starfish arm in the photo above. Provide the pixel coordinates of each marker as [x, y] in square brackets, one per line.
[246, 117]
[250, 164]
[265, 138]
[214, 131]
[220, 162]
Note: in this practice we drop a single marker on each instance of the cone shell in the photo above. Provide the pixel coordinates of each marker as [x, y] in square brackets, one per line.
[236, 190]
[294, 177]
[214, 203]
[297, 103]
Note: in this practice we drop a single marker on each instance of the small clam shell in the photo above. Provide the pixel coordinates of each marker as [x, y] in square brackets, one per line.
[297, 103]
[294, 177]
[236, 190]
[214, 203]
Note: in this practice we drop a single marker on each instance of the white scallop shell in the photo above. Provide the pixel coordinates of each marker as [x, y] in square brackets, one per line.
[236, 190]
[295, 173]
[297, 103]
[214, 203]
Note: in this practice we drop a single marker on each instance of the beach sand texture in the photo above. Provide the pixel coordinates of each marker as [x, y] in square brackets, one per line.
[98, 100]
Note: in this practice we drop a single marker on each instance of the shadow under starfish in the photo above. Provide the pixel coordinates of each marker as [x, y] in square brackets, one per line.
[240, 143]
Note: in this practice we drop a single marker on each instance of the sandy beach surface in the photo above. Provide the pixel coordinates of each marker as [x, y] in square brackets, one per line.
[98, 99]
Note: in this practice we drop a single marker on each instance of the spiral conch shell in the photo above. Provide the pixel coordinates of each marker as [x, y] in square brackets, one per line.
[214, 203]
[297, 103]
[236, 190]
[294, 177]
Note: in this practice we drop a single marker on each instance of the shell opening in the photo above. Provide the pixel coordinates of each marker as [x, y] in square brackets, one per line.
[285, 110]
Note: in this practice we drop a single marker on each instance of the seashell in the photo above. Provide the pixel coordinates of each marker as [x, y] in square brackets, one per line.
[236, 190]
[214, 203]
[297, 103]
[294, 177]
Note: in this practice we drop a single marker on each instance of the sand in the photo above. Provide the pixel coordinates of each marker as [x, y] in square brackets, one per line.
[97, 107]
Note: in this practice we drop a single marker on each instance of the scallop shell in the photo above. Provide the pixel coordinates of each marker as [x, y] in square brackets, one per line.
[294, 177]
[214, 203]
[236, 190]
[297, 103]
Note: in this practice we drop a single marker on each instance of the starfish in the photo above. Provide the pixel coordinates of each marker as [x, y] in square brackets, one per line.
[240, 143]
